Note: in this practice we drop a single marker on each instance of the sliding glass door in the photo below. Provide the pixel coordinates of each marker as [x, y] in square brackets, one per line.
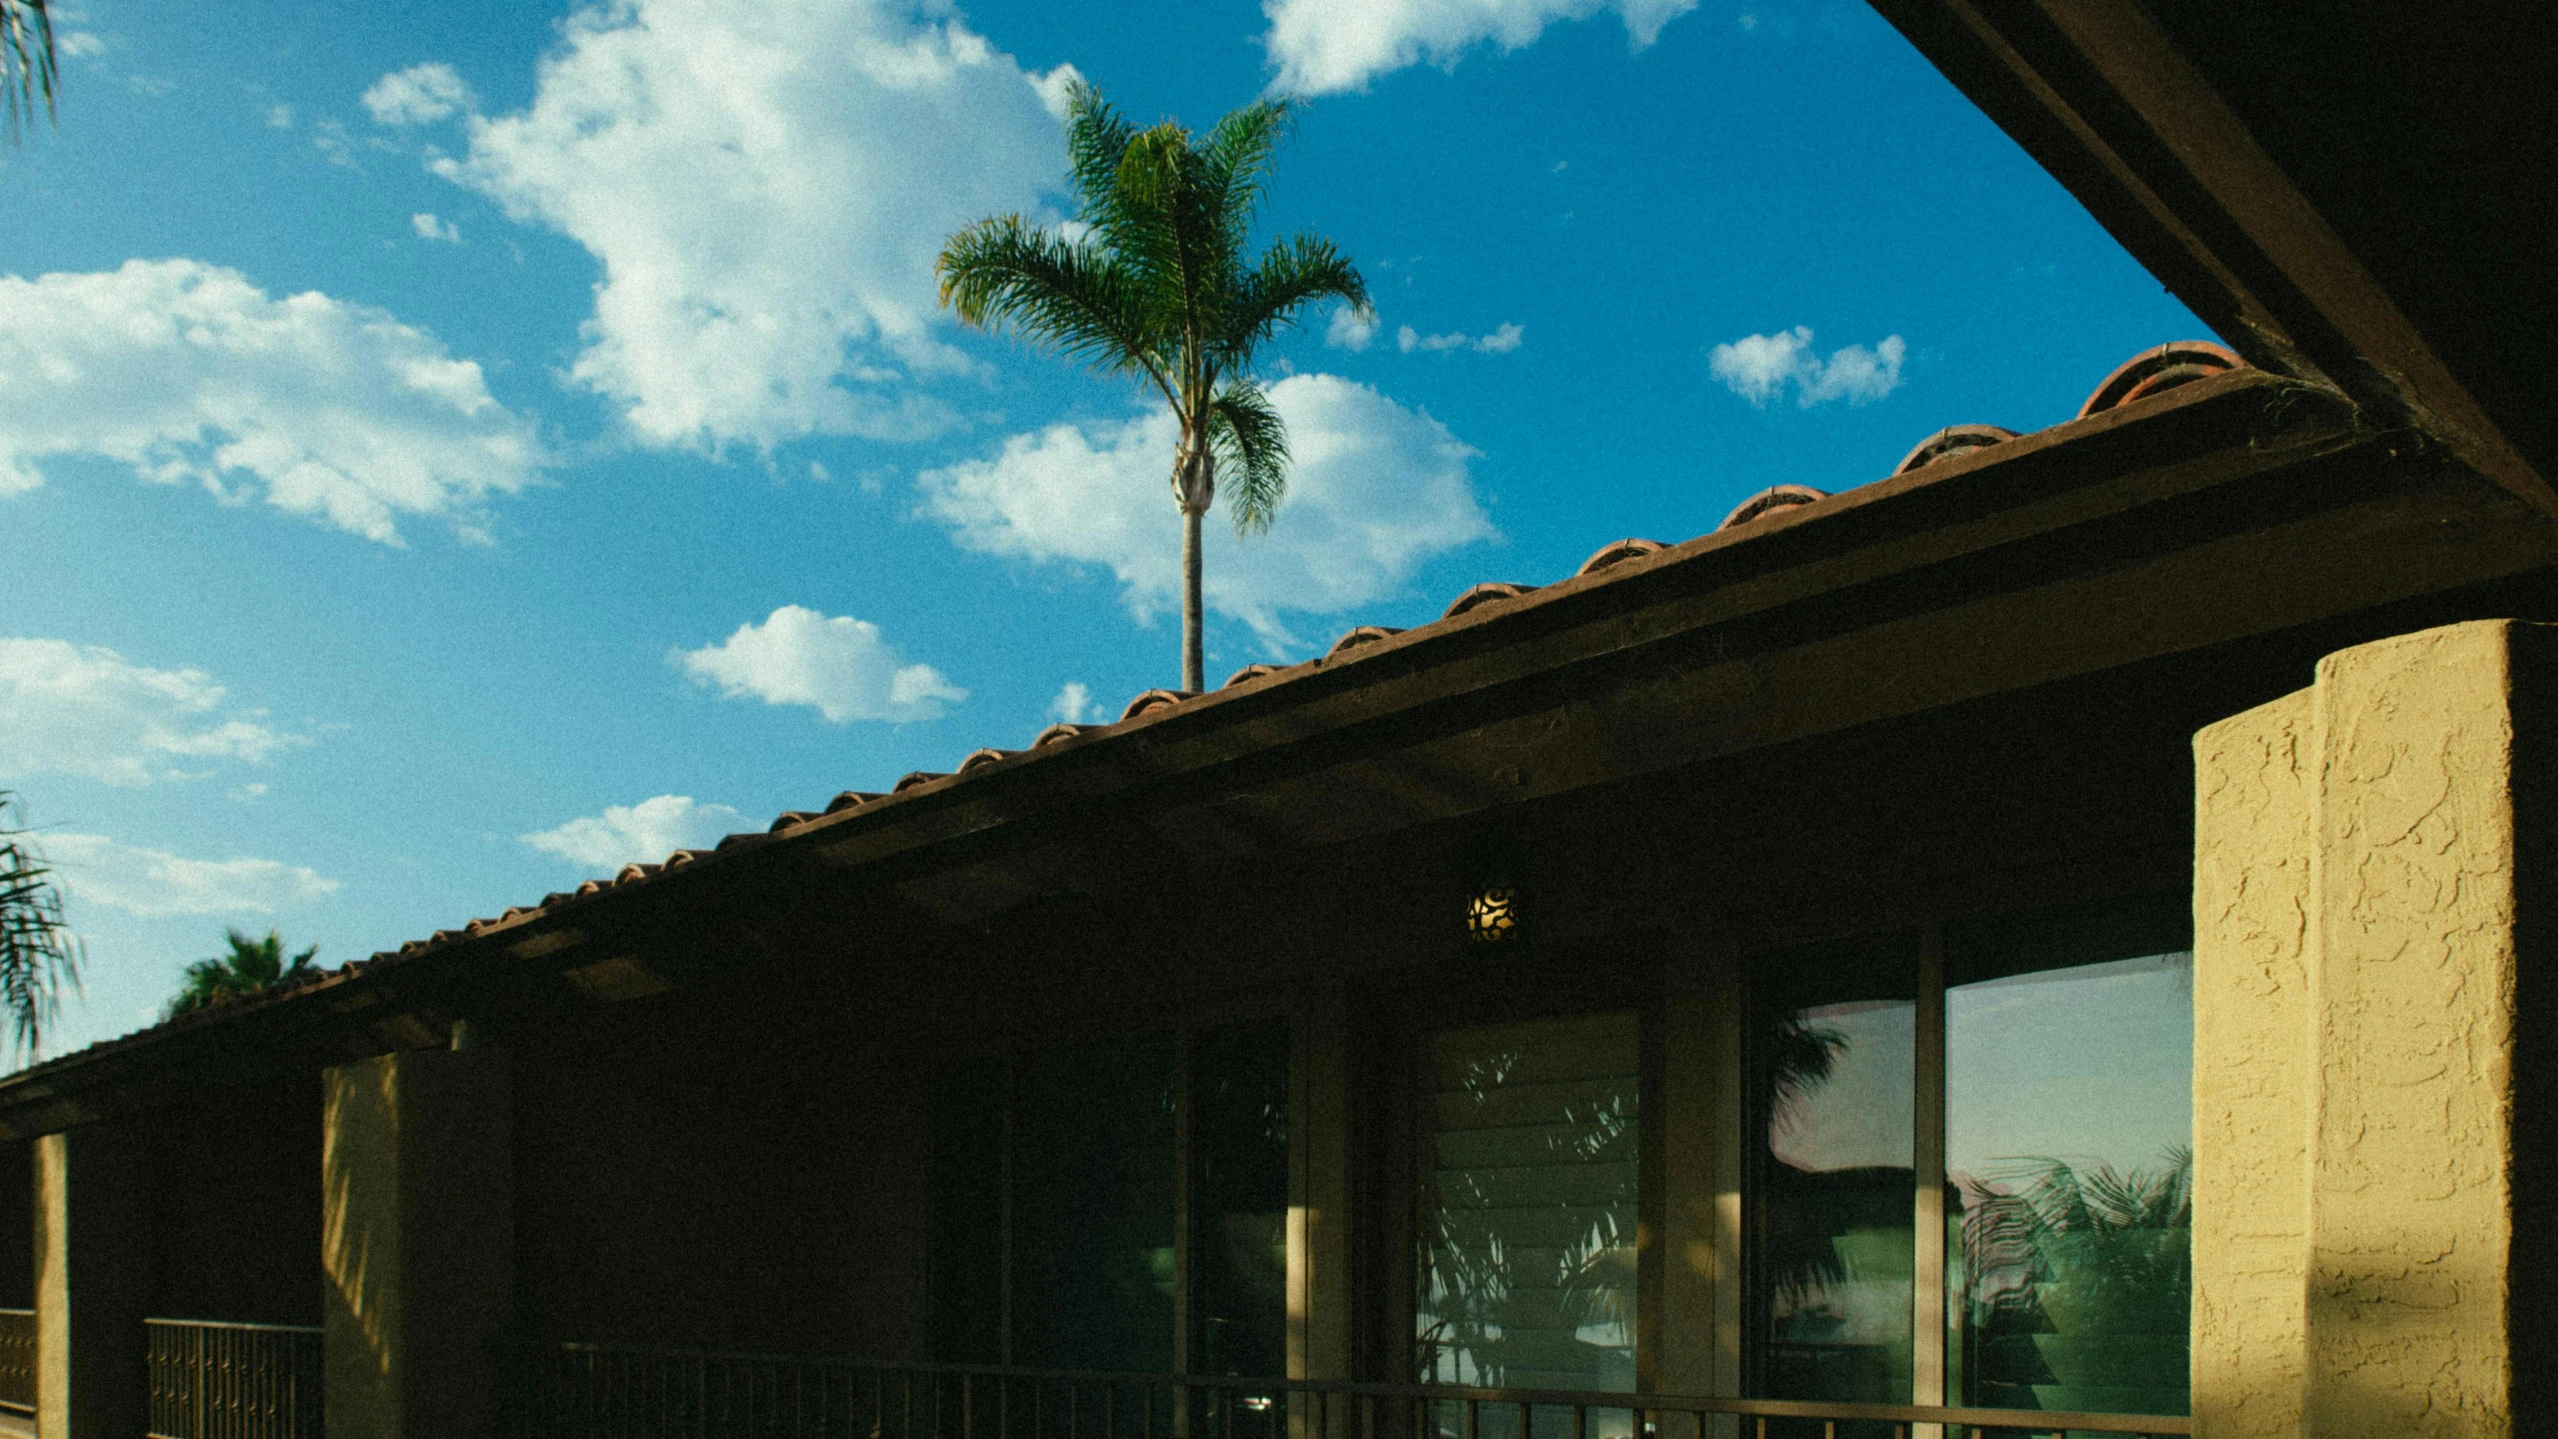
[1970, 1165]
[1119, 1206]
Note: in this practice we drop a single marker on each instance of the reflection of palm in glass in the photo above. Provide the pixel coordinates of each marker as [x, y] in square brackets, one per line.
[1528, 1261]
[2076, 1284]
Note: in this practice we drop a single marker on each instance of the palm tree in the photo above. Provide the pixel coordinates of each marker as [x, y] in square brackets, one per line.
[26, 59]
[38, 957]
[251, 966]
[1150, 281]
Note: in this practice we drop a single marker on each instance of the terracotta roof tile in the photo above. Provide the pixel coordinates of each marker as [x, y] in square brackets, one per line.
[1363, 635]
[1491, 592]
[1153, 700]
[2155, 372]
[1057, 732]
[1953, 440]
[1770, 500]
[1618, 553]
[1250, 672]
[915, 779]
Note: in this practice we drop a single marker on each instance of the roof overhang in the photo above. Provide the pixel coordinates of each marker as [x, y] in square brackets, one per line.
[2352, 194]
[2235, 506]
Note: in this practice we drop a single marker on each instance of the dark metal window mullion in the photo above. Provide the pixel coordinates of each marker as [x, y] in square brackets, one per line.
[1927, 1133]
[1182, 1200]
[1008, 1103]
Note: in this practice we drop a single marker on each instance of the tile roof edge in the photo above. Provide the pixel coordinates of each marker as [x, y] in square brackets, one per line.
[1380, 641]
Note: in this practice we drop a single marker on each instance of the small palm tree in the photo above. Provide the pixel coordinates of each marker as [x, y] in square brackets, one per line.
[1151, 281]
[39, 959]
[251, 966]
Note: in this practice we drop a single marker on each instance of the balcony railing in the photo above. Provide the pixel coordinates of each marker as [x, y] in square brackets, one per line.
[17, 1361]
[591, 1391]
[214, 1380]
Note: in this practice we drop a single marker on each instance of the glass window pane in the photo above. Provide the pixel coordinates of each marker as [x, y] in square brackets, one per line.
[1092, 1208]
[2069, 1126]
[1528, 1205]
[1239, 1200]
[1832, 1197]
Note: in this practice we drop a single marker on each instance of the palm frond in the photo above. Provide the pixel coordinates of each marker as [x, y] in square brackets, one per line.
[253, 965]
[1251, 442]
[1237, 157]
[26, 60]
[1076, 298]
[1292, 274]
[1096, 139]
[39, 957]
[1168, 236]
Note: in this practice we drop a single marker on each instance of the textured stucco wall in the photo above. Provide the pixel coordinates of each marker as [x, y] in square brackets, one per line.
[2413, 873]
[418, 1241]
[2253, 1071]
[2357, 950]
[93, 1280]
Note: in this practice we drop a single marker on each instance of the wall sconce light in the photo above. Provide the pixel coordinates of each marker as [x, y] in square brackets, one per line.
[1492, 915]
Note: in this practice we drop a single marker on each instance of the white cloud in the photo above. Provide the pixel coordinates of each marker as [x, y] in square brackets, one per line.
[1325, 45]
[1375, 490]
[1351, 328]
[429, 227]
[279, 117]
[766, 188]
[329, 137]
[82, 710]
[841, 666]
[418, 95]
[1073, 704]
[94, 869]
[1759, 368]
[1500, 342]
[79, 44]
[185, 371]
[642, 833]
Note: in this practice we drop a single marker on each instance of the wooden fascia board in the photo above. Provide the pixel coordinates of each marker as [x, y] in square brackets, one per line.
[2105, 101]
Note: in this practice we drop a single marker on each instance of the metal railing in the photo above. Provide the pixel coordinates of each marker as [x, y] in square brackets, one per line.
[593, 1391]
[18, 1360]
[216, 1380]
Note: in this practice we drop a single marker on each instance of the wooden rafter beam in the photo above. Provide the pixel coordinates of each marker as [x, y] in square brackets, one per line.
[2103, 96]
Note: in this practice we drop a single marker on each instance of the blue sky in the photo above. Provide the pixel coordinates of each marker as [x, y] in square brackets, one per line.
[447, 452]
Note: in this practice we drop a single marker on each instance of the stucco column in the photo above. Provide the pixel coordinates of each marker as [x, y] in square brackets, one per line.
[418, 1239]
[93, 1281]
[2371, 1042]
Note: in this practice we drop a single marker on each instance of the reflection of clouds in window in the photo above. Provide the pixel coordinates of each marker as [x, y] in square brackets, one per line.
[2090, 1064]
[1859, 1115]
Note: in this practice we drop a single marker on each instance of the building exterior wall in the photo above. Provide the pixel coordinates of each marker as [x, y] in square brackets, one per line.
[2361, 953]
[236, 1205]
[726, 1169]
[418, 1242]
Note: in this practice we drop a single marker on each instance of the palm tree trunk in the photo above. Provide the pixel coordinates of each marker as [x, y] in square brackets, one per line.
[1193, 661]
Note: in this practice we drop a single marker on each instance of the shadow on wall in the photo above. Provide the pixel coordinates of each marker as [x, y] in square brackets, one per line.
[360, 1145]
